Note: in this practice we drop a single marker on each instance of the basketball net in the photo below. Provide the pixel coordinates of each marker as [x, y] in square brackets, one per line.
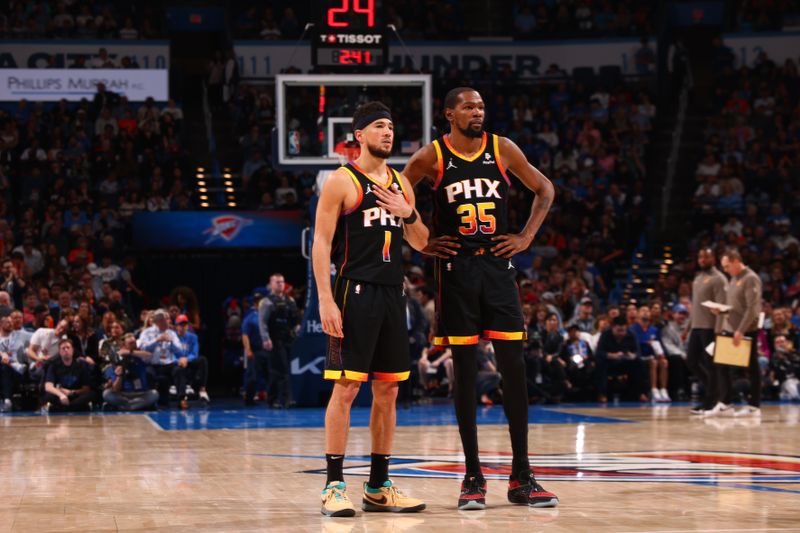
[346, 151]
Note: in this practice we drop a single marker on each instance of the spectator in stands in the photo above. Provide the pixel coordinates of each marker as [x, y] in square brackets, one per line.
[85, 339]
[580, 365]
[43, 347]
[185, 299]
[103, 99]
[675, 335]
[20, 334]
[12, 283]
[652, 351]
[191, 367]
[785, 369]
[67, 382]
[618, 353]
[128, 31]
[548, 369]
[166, 347]
[584, 319]
[11, 369]
[257, 358]
[103, 60]
[435, 365]
[32, 257]
[488, 379]
[126, 379]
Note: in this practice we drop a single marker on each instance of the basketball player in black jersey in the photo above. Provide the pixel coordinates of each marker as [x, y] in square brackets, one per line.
[470, 170]
[369, 208]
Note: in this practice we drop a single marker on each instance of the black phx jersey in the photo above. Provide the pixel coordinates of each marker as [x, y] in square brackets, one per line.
[369, 289]
[478, 294]
[369, 238]
[471, 194]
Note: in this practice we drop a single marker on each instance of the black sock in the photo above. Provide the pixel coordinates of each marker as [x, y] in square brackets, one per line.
[335, 464]
[465, 367]
[378, 470]
[511, 364]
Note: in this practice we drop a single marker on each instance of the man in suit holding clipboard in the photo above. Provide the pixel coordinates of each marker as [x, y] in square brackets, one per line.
[743, 296]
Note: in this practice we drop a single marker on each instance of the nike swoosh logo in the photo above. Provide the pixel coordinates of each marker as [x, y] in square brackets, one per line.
[336, 457]
[381, 501]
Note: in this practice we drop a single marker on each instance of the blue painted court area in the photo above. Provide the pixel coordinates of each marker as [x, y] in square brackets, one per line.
[236, 417]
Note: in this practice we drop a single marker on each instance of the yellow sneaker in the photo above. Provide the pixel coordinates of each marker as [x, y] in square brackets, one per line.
[390, 499]
[335, 501]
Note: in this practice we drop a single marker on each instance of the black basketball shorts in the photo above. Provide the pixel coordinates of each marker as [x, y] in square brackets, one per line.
[375, 331]
[478, 298]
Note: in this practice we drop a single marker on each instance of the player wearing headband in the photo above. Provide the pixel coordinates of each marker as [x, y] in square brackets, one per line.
[368, 208]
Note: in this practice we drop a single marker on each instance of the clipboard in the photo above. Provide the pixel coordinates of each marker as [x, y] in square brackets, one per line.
[725, 353]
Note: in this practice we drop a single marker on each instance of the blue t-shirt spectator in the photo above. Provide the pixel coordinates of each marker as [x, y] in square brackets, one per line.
[190, 347]
[251, 330]
[645, 338]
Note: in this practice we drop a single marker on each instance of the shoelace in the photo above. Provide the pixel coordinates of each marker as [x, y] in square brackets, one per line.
[395, 493]
[338, 494]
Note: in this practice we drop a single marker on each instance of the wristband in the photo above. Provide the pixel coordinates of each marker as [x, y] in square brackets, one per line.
[411, 218]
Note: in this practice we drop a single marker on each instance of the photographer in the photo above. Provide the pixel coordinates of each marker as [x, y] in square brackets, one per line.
[277, 313]
[126, 385]
[109, 347]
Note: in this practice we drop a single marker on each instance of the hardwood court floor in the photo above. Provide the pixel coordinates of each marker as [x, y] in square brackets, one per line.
[632, 468]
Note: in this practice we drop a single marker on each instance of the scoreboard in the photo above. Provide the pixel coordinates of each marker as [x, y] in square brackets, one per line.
[349, 38]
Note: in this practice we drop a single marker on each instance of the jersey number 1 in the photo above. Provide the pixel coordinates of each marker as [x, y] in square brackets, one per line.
[387, 243]
[475, 217]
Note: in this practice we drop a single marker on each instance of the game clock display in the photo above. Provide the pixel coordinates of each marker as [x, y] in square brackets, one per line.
[348, 37]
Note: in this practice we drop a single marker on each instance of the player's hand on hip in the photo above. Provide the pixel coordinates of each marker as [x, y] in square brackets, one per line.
[444, 246]
[393, 201]
[510, 244]
[331, 319]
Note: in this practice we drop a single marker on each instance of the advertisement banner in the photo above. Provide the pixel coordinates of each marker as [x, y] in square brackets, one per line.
[779, 46]
[258, 59]
[51, 85]
[217, 229]
[35, 53]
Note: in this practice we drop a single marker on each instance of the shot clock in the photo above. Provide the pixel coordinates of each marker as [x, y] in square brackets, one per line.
[348, 37]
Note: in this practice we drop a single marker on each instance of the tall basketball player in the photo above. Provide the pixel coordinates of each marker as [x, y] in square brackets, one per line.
[478, 296]
[369, 207]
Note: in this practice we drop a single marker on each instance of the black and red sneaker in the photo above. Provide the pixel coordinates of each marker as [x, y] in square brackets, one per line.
[473, 494]
[526, 490]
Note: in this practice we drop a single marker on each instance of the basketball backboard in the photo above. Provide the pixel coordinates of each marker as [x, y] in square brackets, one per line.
[314, 115]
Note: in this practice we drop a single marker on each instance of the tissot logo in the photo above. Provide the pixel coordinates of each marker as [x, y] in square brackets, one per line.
[681, 466]
[351, 38]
